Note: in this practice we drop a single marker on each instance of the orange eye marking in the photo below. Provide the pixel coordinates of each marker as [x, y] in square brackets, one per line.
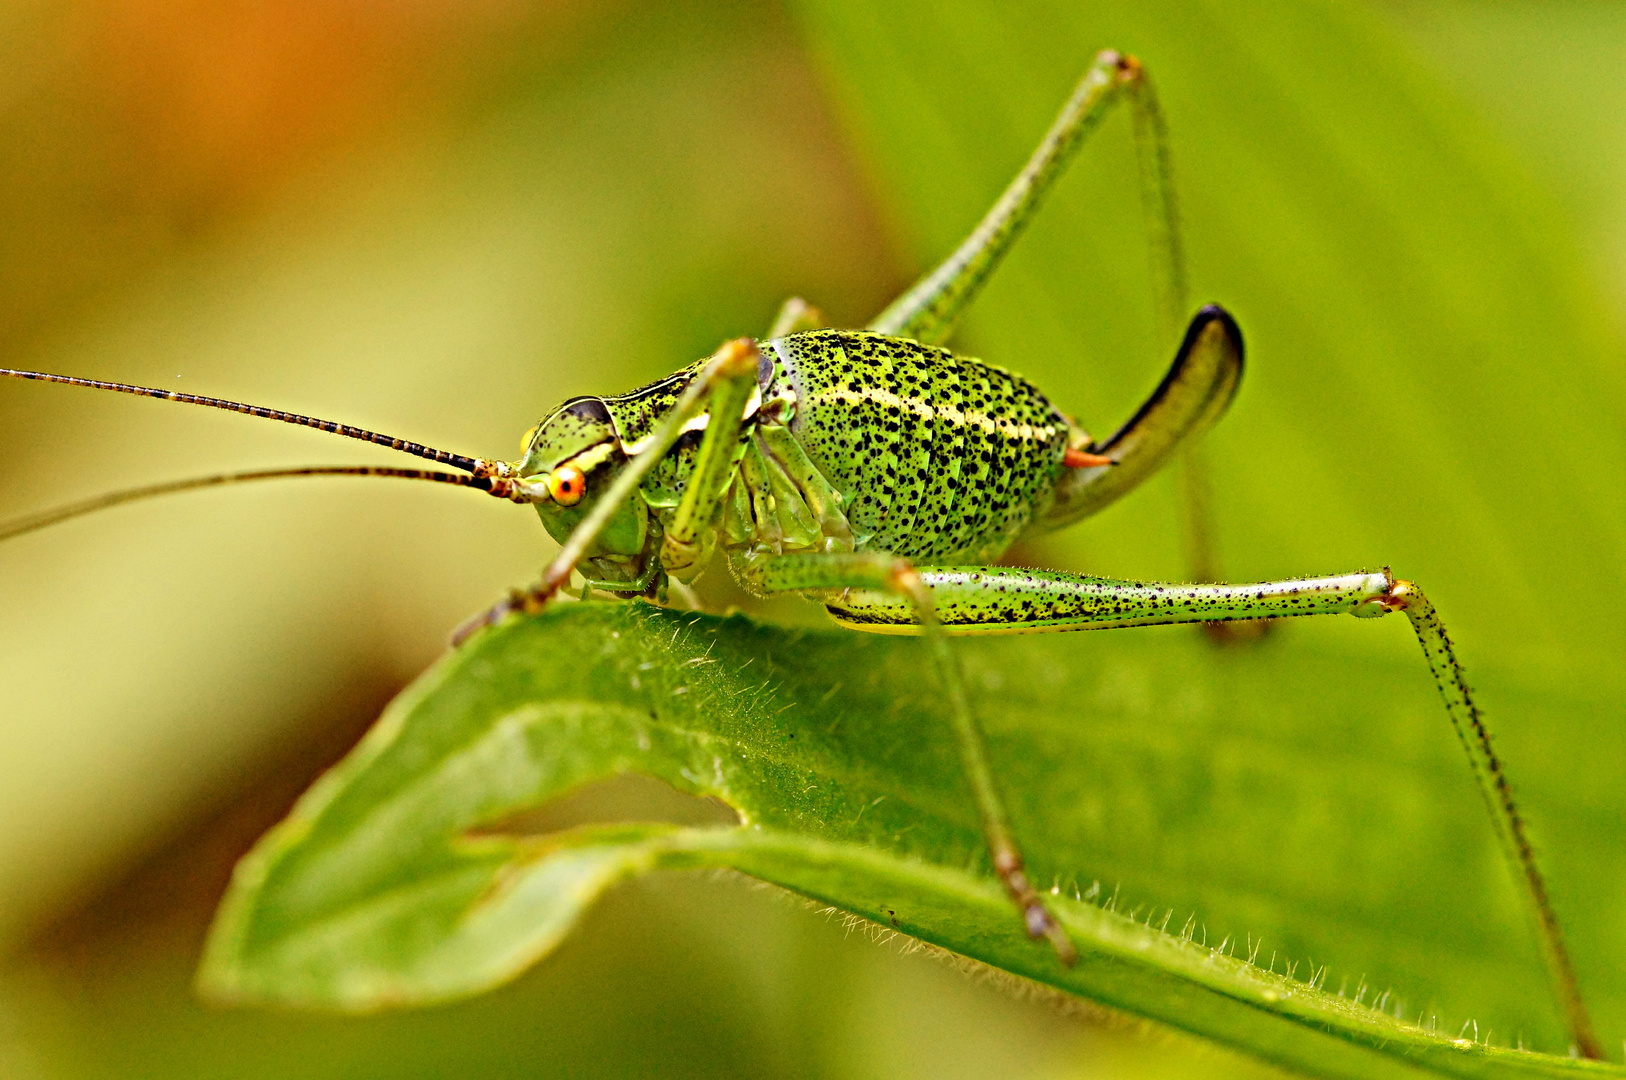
[567, 485]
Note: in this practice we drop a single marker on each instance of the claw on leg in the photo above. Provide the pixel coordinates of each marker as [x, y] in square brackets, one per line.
[1040, 923]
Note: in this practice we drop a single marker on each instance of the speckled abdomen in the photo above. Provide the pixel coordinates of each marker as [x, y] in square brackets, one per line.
[940, 458]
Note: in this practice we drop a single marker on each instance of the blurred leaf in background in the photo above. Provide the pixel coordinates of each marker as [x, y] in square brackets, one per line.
[439, 220]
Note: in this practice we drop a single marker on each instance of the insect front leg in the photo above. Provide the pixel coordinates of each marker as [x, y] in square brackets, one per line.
[981, 599]
[898, 580]
[683, 549]
[726, 377]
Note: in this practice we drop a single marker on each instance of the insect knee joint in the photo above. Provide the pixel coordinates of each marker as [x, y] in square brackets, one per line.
[1396, 596]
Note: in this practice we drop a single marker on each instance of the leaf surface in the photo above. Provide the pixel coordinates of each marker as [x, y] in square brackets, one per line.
[405, 877]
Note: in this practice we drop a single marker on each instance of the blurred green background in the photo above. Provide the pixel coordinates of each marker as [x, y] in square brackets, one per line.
[438, 219]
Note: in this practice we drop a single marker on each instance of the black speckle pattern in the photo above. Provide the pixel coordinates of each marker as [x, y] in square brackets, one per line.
[637, 414]
[940, 458]
[998, 599]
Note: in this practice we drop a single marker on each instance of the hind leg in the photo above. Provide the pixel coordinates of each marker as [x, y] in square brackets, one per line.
[930, 309]
[975, 599]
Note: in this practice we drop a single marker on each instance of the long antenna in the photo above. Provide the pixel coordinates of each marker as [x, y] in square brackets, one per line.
[476, 466]
[33, 522]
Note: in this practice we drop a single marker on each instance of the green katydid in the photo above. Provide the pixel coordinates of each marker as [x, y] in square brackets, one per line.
[882, 475]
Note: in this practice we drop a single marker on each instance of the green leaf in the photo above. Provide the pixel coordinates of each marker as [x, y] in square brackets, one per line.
[401, 878]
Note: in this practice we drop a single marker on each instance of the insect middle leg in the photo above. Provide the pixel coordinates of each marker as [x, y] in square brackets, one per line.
[896, 578]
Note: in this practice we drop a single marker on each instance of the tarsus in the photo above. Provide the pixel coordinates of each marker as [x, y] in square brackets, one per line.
[1493, 785]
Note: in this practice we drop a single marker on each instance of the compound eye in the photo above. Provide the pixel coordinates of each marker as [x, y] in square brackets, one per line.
[567, 485]
[525, 443]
